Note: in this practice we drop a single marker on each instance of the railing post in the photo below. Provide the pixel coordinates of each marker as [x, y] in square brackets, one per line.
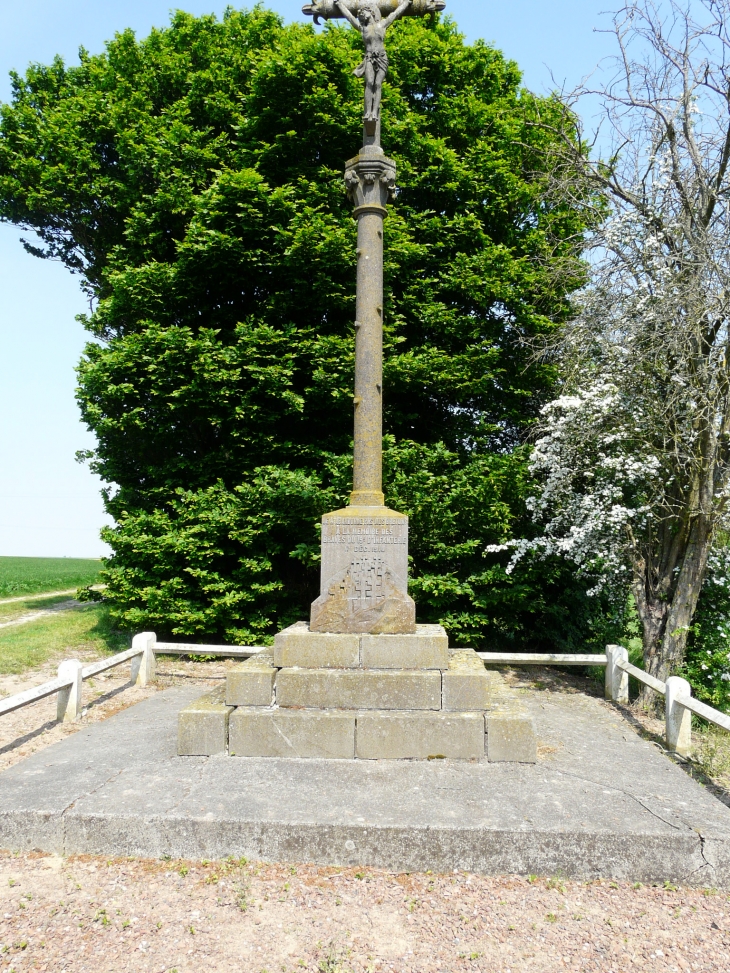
[678, 719]
[68, 707]
[144, 666]
[617, 681]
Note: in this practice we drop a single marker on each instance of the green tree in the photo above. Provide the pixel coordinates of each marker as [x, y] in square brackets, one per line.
[194, 180]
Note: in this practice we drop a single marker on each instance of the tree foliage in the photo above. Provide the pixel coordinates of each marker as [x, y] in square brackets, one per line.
[194, 180]
[634, 463]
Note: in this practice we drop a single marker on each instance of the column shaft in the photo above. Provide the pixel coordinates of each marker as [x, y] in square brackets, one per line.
[368, 460]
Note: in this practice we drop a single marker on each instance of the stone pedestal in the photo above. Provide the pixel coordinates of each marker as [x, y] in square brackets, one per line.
[362, 697]
[364, 575]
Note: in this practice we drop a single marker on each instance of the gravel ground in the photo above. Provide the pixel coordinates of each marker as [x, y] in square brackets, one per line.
[86, 914]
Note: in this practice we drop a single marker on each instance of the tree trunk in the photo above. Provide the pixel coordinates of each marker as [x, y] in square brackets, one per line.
[666, 619]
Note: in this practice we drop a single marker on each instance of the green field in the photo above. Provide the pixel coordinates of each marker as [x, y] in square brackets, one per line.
[34, 575]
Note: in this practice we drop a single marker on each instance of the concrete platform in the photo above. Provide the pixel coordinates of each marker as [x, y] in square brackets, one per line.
[602, 803]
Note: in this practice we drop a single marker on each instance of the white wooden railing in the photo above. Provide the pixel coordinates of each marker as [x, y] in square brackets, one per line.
[72, 674]
[679, 704]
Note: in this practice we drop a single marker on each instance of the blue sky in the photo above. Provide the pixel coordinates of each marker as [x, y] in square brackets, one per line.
[49, 505]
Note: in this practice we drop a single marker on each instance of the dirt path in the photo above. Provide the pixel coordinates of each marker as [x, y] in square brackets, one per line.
[62, 606]
[93, 915]
[47, 594]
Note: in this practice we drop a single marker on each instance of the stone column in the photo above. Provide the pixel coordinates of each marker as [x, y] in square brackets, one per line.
[364, 585]
[370, 180]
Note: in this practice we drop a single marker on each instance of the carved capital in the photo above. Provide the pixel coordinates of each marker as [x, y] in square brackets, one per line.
[370, 181]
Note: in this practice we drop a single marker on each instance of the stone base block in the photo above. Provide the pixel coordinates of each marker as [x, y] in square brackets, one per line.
[467, 686]
[291, 733]
[427, 649]
[297, 646]
[358, 689]
[511, 737]
[252, 683]
[202, 729]
[420, 736]
[300, 647]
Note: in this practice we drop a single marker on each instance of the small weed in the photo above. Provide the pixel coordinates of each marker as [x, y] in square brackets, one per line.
[532, 879]
[709, 892]
[191, 930]
[125, 924]
[668, 887]
[360, 875]
[102, 917]
[292, 870]
[638, 885]
[474, 955]
[12, 883]
[338, 901]
[183, 870]
[551, 917]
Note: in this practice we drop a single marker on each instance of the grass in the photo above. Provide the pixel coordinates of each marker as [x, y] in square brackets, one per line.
[87, 629]
[35, 575]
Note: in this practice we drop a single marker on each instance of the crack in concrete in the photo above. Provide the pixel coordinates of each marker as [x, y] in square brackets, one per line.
[63, 816]
[632, 797]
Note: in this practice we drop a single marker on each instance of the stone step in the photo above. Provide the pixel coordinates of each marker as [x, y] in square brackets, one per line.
[298, 647]
[275, 732]
[358, 689]
[420, 736]
[346, 734]
[466, 687]
[202, 728]
[252, 682]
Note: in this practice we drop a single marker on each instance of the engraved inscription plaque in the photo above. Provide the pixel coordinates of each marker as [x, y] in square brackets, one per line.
[364, 585]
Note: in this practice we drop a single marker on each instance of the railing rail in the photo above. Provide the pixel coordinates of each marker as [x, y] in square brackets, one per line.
[525, 659]
[656, 684]
[218, 651]
[11, 703]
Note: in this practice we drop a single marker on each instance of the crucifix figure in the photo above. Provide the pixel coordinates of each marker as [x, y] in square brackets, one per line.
[372, 26]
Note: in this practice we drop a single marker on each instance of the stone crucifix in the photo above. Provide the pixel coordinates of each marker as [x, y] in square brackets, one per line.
[364, 581]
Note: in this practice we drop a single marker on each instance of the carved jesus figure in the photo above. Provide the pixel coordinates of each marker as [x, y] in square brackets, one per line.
[370, 23]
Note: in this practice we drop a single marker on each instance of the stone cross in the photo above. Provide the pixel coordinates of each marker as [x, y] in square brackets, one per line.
[365, 547]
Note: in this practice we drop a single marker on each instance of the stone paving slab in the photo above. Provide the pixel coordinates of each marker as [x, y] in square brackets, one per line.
[603, 803]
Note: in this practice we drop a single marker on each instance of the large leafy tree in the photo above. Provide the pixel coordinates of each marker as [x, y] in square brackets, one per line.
[194, 180]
